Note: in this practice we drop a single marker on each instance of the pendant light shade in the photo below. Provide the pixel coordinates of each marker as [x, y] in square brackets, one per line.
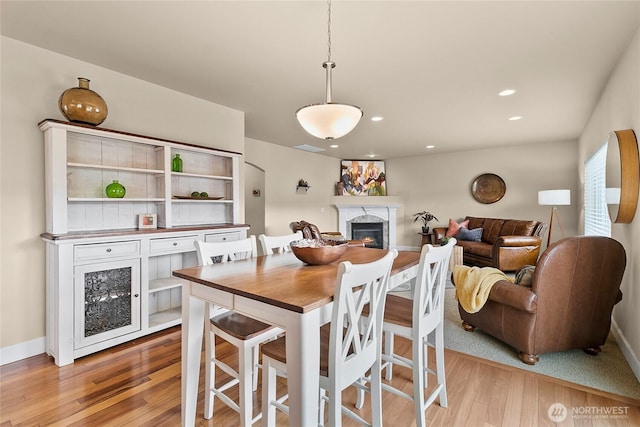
[329, 120]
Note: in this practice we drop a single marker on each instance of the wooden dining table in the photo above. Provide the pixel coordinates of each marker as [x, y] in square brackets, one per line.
[281, 290]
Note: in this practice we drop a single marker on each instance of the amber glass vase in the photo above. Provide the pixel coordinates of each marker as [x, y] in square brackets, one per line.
[82, 105]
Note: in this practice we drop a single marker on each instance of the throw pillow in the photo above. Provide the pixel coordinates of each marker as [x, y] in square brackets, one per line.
[473, 235]
[524, 276]
[454, 227]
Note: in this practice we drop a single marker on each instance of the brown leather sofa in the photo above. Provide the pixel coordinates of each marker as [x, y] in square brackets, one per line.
[506, 244]
[574, 289]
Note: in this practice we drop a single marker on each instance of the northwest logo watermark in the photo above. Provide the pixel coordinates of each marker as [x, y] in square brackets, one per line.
[557, 412]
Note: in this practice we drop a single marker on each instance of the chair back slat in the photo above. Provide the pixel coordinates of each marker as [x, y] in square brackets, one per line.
[428, 293]
[355, 340]
[278, 244]
[215, 252]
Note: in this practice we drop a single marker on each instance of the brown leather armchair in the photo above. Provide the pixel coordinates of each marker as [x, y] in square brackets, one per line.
[575, 285]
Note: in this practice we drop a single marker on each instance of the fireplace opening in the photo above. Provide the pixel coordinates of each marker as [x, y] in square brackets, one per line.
[371, 232]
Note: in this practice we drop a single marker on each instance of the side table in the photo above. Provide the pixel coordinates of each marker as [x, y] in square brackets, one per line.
[427, 238]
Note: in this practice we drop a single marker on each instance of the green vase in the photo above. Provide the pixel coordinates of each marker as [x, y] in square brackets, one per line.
[115, 190]
[176, 164]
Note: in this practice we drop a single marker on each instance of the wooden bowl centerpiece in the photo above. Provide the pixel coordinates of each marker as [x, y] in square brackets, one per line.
[318, 252]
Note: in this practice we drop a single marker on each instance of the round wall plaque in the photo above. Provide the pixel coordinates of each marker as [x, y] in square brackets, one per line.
[488, 188]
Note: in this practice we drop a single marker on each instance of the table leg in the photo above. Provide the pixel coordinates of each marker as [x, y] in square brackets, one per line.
[303, 368]
[192, 329]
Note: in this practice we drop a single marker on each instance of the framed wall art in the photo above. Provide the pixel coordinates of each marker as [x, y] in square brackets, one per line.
[363, 178]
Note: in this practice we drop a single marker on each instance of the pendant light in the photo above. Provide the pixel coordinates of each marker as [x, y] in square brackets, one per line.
[329, 120]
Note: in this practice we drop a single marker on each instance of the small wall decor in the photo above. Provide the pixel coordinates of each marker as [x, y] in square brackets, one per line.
[363, 178]
[302, 187]
[488, 188]
[147, 221]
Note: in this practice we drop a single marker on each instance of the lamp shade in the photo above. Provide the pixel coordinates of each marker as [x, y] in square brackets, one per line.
[612, 195]
[329, 120]
[554, 197]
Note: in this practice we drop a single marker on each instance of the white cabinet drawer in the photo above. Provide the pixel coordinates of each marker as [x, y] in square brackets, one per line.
[172, 245]
[106, 250]
[222, 237]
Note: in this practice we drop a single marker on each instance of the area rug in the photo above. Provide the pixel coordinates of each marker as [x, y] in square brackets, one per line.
[608, 371]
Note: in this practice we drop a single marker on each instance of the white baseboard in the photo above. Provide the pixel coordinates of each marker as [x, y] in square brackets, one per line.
[625, 347]
[22, 351]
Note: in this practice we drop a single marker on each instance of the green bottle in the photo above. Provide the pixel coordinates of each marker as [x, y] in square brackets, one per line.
[176, 164]
[115, 190]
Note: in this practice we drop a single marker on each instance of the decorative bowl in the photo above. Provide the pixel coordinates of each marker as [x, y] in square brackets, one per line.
[318, 252]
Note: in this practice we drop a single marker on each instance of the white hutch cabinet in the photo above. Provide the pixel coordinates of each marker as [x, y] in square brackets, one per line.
[109, 282]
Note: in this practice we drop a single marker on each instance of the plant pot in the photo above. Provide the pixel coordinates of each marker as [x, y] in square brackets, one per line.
[425, 229]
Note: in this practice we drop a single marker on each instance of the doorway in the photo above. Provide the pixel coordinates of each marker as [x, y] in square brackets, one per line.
[254, 205]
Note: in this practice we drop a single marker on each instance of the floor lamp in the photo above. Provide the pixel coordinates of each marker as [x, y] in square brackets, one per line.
[554, 198]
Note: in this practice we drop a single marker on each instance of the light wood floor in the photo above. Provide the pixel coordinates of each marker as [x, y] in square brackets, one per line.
[138, 384]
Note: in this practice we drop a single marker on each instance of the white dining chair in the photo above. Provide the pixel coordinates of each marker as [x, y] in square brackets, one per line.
[415, 319]
[243, 332]
[278, 244]
[350, 346]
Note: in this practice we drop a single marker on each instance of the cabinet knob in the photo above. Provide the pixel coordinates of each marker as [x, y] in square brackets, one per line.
[175, 243]
[108, 249]
[224, 238]
[135, 295]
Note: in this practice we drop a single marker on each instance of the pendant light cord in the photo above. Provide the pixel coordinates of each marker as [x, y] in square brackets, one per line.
[328, 30]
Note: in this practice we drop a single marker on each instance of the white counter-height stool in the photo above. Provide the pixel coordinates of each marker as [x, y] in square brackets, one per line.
[415, 319]
[278, 244]
[349, 345]
[245, 333]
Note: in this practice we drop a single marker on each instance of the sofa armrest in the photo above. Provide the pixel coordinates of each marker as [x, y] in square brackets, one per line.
[516, 296]
[518, 241]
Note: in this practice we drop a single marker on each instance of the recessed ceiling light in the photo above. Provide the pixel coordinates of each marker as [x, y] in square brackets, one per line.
[371, 156]
[514, 118]
[431, 146]
[334, 146]
[507, 92]
[377, 118]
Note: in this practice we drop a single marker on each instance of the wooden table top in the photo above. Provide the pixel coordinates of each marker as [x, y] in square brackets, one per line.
[283, 280]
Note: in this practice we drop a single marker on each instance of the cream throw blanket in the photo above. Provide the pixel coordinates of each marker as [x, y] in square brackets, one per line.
[473, 285]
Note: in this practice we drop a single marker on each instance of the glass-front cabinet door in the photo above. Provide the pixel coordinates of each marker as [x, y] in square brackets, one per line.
[107, 301]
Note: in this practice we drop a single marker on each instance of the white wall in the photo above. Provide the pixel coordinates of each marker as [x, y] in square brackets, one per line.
[31, 81]
[617, 109]
[283, 168]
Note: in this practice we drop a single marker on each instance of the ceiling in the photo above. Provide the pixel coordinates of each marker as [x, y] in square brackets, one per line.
[432, 69]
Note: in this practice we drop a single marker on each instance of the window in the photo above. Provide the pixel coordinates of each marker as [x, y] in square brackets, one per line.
[596, 215]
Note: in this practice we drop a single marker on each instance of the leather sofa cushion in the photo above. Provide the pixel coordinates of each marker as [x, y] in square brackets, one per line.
[474, 222]
[513, 227]
[476, 248]
[491, 230]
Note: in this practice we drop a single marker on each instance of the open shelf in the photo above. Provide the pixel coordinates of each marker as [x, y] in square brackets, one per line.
[164, 283]
[114, 168]
[165, 318]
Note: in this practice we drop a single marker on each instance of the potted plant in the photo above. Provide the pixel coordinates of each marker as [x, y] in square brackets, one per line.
[425, 217]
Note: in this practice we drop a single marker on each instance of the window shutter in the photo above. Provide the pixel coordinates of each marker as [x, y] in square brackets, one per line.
[596, 214]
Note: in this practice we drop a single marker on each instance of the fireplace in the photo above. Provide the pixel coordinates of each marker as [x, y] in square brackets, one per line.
[354, 215]
[371, 232]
